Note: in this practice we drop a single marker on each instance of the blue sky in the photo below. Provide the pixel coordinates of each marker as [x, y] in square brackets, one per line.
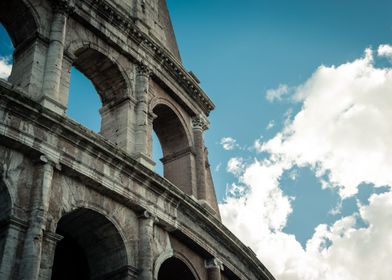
[298, 174]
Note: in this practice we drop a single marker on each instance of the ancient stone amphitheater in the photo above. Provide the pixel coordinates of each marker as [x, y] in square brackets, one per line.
[75, 204]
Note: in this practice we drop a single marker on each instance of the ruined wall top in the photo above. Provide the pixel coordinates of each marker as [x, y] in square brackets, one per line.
[152, 16]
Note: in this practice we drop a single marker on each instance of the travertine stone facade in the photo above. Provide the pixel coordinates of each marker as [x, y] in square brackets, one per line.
[82, 205]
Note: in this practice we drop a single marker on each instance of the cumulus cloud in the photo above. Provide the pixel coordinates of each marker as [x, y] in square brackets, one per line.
[343, 130]
[5, 68]
[235, 165]
[385, 51]
[343, 133]
[228, 143]
[278, 93]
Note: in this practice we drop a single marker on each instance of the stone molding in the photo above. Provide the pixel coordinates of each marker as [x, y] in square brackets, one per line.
[65, 7]
[213, 263]
[199, 122]
[144, 70]
[127, 25]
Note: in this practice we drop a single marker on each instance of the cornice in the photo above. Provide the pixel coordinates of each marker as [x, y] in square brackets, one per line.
[127, 25]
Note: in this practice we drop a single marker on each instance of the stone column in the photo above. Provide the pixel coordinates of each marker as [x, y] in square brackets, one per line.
[146, 237]
[49, 244]
[199, 125]
[54, 58]
[214, 268]
[14, 233]
[32, 248]
[141, 129]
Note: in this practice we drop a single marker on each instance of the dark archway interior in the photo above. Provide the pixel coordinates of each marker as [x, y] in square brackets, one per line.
[5, 212]
[70, 260]
[5, 201]
[175, 269]
[173, 139]
[91, 248]
[17, 20]
[170, 131]
[103, 73]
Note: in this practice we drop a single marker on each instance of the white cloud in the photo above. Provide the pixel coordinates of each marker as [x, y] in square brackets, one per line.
[235, 165]
[270, 125]
[343, 129]
[343, 132]
[228, 143]
[277, 93]
[385, 51]
[5, 68]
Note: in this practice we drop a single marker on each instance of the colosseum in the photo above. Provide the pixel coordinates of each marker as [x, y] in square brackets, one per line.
[75, 204]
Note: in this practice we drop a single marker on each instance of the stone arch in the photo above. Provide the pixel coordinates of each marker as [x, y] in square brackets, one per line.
[178, 263]
[165, 101]
[102, 69]
[19, 19]
[92, 245]
[22, 23]
[175, 140]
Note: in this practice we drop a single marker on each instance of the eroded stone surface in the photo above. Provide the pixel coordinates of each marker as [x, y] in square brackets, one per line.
[72, 201]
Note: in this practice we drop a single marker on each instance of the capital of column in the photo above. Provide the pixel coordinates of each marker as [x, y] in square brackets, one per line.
[199, 122]
[213, 263]
[146, 215]
[143, 70]
[46, 161]
[63, 6]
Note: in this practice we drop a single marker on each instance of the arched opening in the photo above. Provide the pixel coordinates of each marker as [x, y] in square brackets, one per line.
[18, 26]
[93, 74]
[6, 52]
[5, 212]
[92, 248]
[103, 73]
[175, 145]
[84, 102]
[175, 269]
[18, 20]
[157, 154]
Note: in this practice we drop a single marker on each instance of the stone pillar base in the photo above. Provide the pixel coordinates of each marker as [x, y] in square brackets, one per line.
[53, 105]
[145, 160]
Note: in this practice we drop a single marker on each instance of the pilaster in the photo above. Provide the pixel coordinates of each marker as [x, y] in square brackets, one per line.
[143, 125]
[49, 243]
[39, 205]
[54, 58]
[214, 267]
[13, 231]
[146, 237]
[200, 124]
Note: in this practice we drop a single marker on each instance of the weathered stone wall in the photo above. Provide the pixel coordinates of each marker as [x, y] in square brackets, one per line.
[60, 182]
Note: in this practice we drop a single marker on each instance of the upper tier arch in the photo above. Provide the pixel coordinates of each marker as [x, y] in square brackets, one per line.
[19, 19]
